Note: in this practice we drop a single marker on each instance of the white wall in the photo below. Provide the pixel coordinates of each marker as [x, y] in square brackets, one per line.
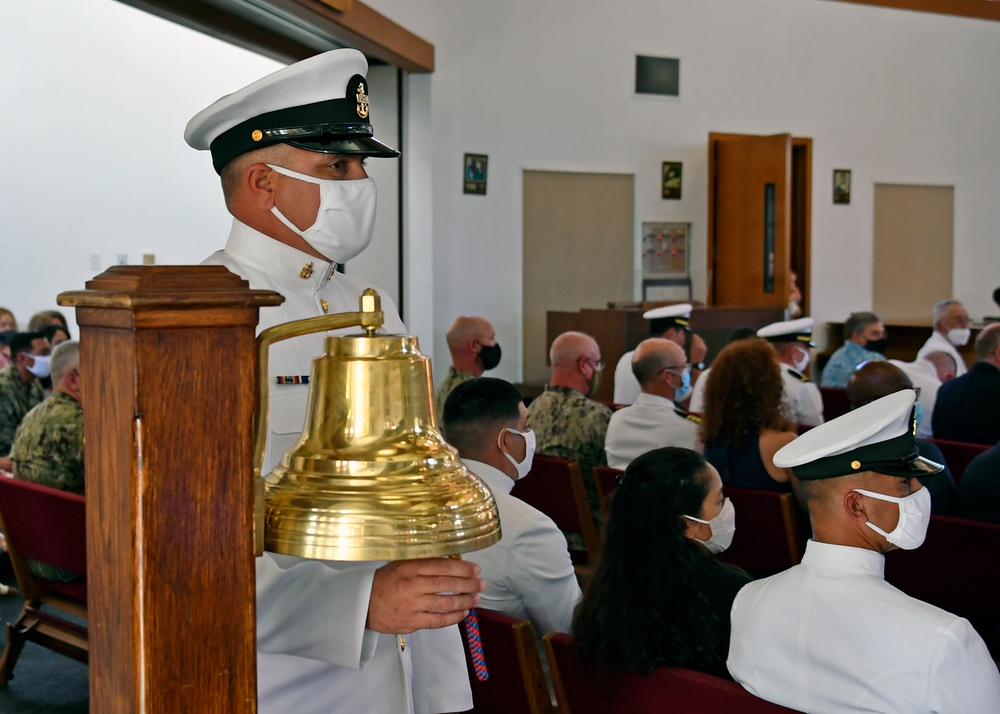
[895, 96]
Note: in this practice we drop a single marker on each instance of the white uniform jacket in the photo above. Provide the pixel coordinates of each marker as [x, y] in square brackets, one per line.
[804, 401]
[939, 343]
[923, 374]
[830, 635]
[697, 404]
[651, 422]
[528, 574]
[627, 387]
[313, 651]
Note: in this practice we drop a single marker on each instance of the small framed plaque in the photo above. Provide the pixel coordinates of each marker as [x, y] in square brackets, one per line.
[672, 178]
[842, 186]
[475, 174]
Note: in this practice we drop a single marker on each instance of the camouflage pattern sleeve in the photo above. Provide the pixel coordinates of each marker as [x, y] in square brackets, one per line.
[15, 402]
[451, 380]
[48, 447]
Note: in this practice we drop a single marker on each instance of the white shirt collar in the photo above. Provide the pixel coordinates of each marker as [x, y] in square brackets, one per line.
[496, 479]
[654, 400]
[282, 262]
[844, 559]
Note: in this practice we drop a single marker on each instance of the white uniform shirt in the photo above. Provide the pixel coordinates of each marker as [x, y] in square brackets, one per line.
[651, 422]
[802, 397]
[528, 573]
[923, 374]
[313, 651]
[939, 343]
[627, 387]
[830, 635]
[697, 403]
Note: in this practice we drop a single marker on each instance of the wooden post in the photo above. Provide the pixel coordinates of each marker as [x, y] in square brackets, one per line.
[168, 365]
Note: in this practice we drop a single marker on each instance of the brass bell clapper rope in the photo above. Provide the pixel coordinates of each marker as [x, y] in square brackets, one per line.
[370, 477]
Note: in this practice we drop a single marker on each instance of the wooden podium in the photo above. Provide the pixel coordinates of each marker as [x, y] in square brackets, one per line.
[168, 359]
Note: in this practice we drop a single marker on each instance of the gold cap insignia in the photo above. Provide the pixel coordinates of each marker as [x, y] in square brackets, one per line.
[307, 271]
[325, 304]
[362, 101]
[855, 465]
[257, 135]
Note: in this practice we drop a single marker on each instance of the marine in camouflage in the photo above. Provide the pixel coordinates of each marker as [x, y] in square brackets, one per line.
[451, 380]
[570, 426]
[16, 400]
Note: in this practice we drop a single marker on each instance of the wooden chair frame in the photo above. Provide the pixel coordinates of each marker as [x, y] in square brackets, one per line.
[45, 628]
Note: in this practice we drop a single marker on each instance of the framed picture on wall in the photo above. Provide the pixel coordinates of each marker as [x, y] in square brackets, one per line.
[842, 186]
[475, 174]
[672, 178]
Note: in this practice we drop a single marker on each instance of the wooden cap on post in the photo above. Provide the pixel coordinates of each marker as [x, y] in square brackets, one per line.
[168, 361]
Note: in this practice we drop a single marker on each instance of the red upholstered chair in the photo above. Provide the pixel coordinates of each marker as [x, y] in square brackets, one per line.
[955, 570]
[835, 402]
[555, 487]
[516, 683]
[48, 525]
[767, 538]
[606, 480]
[958, 454]
[581, 689]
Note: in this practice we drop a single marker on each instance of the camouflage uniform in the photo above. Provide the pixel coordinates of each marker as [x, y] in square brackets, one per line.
[570, 426]
[16, 400]
[451, 380]
[48, 450]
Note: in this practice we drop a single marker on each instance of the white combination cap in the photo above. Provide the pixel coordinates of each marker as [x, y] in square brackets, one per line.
[799, 330]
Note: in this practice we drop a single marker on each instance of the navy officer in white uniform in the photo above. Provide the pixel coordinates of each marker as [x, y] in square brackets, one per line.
[830, 635]
[671, 322]
[290, 149]
[792, 340]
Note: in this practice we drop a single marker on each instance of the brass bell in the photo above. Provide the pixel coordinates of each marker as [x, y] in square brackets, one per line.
[370, 478]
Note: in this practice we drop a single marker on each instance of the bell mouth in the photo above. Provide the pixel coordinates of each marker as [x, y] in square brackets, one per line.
[371, 478]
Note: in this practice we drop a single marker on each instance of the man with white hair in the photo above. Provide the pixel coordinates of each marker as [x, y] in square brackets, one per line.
[291, 150]
[951, 330]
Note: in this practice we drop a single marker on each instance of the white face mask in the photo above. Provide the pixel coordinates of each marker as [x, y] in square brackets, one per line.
[345, 218]
[959, 336]
[723, 527]
[914, 516]
[524, 466]
[41, 366]
[802, 362]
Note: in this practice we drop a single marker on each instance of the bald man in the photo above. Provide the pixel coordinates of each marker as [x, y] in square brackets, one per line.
[874, 380]
[653, 420]
[829, 635]
[566, 423]
[474, 350]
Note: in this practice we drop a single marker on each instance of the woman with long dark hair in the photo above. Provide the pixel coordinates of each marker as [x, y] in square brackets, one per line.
[658, 596]
[745, 421]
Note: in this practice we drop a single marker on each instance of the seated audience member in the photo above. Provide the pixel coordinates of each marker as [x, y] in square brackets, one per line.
[830, 635]
[794, 297]
[474, 350]
[20, 390]
[968, 407]
[56, 335]
[745, 421]
[7, 320]
[566, 423]
[658, 597]
[671, 322]
[792, 340]
[5, 338]
[697, 403]
[653, 420]
[48, 446]
[864, 340]
[874, 380]
[528, 573]
[979, 490]
[40, 320]
[951, 330]
[928, 373]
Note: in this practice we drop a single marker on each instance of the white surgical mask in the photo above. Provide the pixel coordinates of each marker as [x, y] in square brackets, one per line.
[802, 362]
[914, 515]
[524, 466]
[959, 336]
[345, 218]
[41, 366]
[723, 527]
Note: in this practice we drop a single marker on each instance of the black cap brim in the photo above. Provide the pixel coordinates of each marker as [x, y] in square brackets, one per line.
[348, 145]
